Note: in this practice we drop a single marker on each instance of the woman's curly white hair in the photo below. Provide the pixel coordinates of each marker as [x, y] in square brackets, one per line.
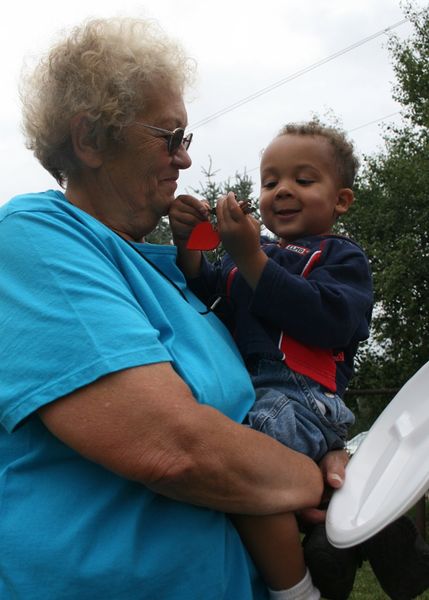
[104, 68]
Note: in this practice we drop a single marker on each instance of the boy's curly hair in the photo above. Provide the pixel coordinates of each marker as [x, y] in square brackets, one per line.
[347, 162]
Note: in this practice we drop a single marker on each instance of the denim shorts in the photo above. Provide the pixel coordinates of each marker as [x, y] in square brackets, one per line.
[297, 411]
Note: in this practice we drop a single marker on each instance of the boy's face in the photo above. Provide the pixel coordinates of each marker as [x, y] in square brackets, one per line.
[300, 188]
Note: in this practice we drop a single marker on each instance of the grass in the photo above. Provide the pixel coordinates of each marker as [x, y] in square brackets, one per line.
[366, 586]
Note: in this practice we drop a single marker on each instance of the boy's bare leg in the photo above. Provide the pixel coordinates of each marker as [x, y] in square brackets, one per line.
[274, 543]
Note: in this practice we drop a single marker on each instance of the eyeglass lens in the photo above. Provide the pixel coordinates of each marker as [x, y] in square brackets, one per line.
[177, 138]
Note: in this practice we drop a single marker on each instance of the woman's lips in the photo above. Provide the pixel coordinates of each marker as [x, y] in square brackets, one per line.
[171, 182]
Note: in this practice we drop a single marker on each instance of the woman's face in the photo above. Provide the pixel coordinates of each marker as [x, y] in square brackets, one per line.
[140, 176]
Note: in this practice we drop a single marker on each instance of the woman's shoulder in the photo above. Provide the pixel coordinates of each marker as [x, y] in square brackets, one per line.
[36, 209]
[32, 202]
[48, 213]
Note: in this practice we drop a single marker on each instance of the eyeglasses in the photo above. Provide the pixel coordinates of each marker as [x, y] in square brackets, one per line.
[174, 138]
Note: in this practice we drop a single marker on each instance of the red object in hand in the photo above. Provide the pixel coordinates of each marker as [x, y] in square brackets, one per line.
[203, 237]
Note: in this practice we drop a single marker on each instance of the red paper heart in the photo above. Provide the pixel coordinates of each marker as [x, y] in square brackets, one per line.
[203, 237]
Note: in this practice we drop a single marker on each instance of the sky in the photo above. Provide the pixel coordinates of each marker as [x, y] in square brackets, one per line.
[276, 50]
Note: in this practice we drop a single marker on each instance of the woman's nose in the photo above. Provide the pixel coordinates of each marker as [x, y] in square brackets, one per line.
[181, 158]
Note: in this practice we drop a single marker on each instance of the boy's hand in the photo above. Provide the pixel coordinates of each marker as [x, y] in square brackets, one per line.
[239, 231]
[186, 212]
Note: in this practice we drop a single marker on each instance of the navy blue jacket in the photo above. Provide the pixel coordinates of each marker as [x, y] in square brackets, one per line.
[311, 308]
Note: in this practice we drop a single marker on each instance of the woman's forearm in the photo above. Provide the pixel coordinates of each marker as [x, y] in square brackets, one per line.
[235, 469]
[145, 425]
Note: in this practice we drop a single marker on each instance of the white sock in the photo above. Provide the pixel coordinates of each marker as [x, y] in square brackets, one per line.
[304, 590]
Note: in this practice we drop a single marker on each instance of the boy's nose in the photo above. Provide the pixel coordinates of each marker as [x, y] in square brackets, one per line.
[284, 191]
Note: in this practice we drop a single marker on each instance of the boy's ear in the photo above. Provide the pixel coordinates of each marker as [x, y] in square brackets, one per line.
[345, 198]
[84, 145]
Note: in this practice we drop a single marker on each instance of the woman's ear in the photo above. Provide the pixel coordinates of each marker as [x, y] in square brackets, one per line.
[84, 144]
[345, 198]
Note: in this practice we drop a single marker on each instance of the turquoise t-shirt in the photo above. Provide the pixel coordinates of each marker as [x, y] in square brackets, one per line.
[77, 303]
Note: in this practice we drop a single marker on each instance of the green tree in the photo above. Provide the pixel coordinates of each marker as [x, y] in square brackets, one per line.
[242, 186]
[391, 220]
[410, 64]
[210, 189]
[161, 234]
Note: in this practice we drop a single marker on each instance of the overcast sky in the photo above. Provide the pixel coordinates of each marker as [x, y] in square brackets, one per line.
[241, 48]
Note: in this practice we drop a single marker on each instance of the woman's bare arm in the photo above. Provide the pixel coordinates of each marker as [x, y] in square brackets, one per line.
[144, 424]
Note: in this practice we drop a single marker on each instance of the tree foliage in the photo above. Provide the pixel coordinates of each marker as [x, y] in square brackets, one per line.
[161, 234]
[390, 218]
[410, 65]
[210, 189]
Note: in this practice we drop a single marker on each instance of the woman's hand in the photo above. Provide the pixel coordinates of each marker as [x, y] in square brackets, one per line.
[333, 467]
[186, 212]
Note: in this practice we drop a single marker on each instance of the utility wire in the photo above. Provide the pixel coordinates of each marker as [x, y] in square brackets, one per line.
[350, 130]
[303, 71]
[374, 121]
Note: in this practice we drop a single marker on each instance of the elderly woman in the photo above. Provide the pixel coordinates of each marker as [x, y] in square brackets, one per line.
[121, 395]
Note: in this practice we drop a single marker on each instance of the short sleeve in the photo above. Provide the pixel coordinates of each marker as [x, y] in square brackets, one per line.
[71, 316]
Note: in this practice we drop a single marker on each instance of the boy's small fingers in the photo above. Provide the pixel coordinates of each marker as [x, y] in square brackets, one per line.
[234, 209]
[231, 199]
[335, 480]
[313, 515]
[220, 202]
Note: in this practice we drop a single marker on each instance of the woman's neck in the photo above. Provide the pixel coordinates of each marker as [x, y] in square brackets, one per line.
[87, 199]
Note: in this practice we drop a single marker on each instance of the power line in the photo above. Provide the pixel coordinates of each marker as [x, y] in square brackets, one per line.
[303, 71]
[374, 121]
[354, 129]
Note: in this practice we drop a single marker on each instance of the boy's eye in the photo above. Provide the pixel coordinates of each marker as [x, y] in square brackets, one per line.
[304, 181]
[269, 184]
